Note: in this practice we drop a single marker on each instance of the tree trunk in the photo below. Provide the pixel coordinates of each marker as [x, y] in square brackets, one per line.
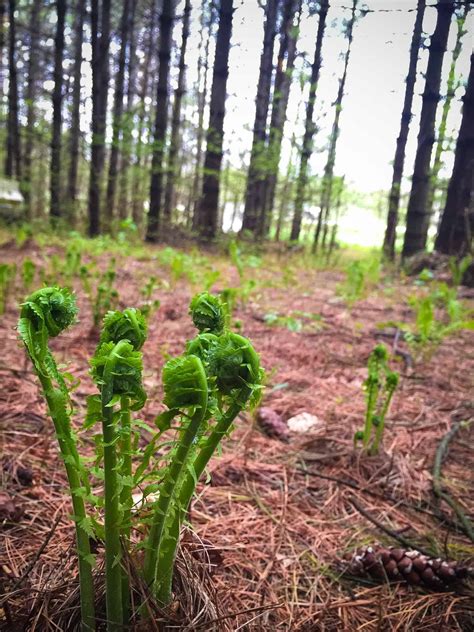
[128, 119]
[137, 184]
[256, 172]
[100, 35]
[75, 132]
[117, 117]
[457, 223]
[202, 72]
[451, 86]
[161, 121]
[399, 160]
[176, 118]
[13, 157]
[310, 126]
[281, 94]
[3, 11]
[326, 192]
[208, 208]
[418, 216]
[30, 97]
[55, 178]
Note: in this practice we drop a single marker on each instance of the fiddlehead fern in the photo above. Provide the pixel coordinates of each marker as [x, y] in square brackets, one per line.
[186, 388]
[208, 313]
[235, 377]
[127, 325]
[44, 314]
[117, 371]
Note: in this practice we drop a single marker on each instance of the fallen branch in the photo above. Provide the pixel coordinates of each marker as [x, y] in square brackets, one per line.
[438, 515]
[393, 534]
[441, 453]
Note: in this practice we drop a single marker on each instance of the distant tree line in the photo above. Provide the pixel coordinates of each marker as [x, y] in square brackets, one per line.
[156, 156]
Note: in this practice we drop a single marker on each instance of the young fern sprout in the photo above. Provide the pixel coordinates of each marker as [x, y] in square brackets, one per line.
[117, 371]
[45, 314]
[234, 378]
[208, 313]
[186, 393]
[217, 377]
[380, 386]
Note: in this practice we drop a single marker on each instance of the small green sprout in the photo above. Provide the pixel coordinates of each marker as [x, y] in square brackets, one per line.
[7, 277]
[380, 386]
[28, 270]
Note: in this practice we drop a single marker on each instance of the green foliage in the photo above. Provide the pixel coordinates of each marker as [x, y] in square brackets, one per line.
[28, 271]
[7, 277]
[458, 268]
[438, 314]
[205, 388]
[100, 290]
[379, 387]
[360, 276]
[296, 321]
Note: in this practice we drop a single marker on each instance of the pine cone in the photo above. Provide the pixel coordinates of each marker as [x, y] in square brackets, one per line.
[395, 564]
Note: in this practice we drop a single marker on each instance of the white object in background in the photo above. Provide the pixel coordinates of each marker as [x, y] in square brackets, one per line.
[303, 422]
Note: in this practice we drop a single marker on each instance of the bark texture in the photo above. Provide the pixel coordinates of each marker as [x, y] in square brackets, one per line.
[399, 160]
[208, 207]
[310, 126]
[418, 215]
[457, 223]
[161, 121]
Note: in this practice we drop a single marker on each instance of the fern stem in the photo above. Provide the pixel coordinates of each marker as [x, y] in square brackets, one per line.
[163, 504]
[70, 457]
[168, 548]
[126, 495]
[112, 519]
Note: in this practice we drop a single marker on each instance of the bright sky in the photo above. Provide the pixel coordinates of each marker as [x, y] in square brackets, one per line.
[374, 90]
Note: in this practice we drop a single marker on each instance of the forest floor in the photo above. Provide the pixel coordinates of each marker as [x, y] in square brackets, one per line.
[279, 513]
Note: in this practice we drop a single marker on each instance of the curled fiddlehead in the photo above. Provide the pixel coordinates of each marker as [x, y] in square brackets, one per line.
[234, 379]
[127, 325]
[208, 313]
[45, 314]
[117, 370]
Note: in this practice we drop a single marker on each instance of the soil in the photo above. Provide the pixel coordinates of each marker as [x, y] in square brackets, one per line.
[277, 517]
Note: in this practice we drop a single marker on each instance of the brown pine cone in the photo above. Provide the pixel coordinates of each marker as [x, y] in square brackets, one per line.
[395, 564]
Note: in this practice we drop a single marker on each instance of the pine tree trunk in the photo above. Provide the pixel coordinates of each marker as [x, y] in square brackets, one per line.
[202, 72]
[13, 157]
[310, 126]
[457, 223]
[281, 94]
[208, 207]
[418, 216]
[161, 121]
[450, 91]
[117, 114]
[256, 172]
[326, 192]
[176, 118]
[399, 160]
[128, 119]
[30, 95]
[137, 180]
[55, 178]
[75, 131]
[3, 11]
[100, 32]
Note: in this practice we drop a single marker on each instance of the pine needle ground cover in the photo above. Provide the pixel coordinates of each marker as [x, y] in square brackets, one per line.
[273, 526]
